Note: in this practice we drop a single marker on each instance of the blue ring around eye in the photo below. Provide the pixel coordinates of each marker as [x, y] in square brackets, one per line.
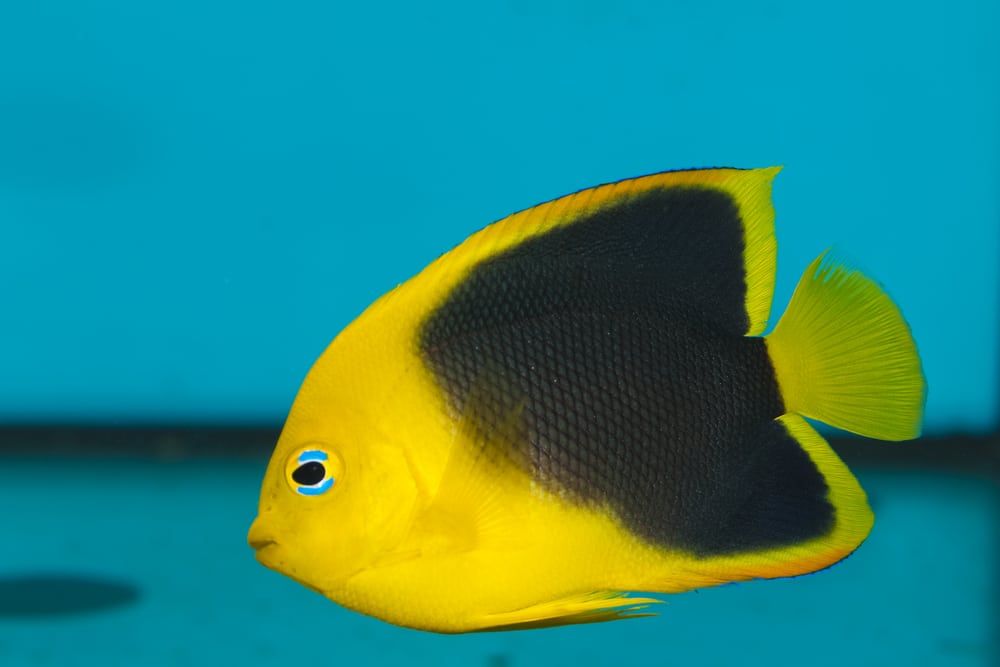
[313, 455]
[316, 490]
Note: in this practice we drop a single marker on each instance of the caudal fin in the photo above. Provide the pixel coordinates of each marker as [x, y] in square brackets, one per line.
[844, 355]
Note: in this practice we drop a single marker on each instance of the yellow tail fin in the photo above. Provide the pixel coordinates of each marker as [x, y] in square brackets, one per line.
[844, 355]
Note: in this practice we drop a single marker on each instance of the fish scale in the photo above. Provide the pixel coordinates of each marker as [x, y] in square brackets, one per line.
[569, 457]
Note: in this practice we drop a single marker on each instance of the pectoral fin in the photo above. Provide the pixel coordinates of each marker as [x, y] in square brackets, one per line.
[486, 479]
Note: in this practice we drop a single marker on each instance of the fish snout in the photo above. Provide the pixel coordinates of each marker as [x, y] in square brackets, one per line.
[260, 535]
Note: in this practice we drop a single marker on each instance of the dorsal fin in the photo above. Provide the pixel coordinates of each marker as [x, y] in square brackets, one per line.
[702, 240]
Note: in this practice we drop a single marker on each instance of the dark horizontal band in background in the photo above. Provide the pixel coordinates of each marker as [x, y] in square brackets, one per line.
[166, 443]
[177, 443]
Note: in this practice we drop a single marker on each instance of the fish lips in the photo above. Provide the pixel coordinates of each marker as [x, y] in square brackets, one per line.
[261, 539]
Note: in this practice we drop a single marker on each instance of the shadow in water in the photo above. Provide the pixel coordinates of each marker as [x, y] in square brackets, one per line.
[55, 593]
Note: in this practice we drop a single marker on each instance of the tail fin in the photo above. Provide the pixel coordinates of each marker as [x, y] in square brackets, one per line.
[844, 355]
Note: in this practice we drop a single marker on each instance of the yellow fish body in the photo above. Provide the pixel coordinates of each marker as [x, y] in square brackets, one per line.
[578, 402]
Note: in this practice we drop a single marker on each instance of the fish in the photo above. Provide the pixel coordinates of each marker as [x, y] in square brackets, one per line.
[580, 410]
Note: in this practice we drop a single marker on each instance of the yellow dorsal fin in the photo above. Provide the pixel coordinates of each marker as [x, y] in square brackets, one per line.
[751, 251]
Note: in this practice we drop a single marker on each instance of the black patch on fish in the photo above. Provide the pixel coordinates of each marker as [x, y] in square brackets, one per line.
[621, 338]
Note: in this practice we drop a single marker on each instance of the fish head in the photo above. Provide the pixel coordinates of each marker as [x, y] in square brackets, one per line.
[336, 497]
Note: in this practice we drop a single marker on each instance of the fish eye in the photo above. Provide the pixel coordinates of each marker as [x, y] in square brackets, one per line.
[312, 470]
[309, 473]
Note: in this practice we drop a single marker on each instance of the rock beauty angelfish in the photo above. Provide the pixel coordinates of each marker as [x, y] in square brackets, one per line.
[578, 402]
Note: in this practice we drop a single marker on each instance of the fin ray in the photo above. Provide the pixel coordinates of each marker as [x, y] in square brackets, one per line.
[843, 354]
[587, 608]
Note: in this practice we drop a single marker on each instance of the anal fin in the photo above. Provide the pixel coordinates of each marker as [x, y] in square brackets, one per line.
[594, 607]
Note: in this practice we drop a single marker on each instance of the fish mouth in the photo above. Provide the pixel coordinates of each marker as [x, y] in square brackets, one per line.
[259, 537]
[257, 545]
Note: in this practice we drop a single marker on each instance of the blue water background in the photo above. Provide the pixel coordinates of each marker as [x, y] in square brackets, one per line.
[196, 196]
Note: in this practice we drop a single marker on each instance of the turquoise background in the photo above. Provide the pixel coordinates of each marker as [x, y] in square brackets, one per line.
[196, 196]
